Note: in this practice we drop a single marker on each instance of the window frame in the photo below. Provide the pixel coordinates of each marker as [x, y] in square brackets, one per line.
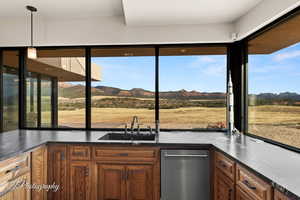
[88, 80]
[246, 40]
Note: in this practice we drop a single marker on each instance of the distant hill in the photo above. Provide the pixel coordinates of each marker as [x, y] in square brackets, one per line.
[77, 91]
[285, 98]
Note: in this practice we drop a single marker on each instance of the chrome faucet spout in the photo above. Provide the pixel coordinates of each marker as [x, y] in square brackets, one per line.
[135, 120]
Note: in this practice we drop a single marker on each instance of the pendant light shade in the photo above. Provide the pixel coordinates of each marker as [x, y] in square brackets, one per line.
[31, 51]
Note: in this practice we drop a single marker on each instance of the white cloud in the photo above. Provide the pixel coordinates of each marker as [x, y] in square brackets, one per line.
[214, 70]
[207, 59]
[287, 55]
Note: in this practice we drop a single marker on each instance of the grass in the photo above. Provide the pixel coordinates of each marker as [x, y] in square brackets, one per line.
[277, 122]
[170, 118]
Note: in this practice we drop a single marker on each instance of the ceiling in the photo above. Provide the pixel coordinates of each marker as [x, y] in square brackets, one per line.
[136, 12]
[62, 8]
[170, 12]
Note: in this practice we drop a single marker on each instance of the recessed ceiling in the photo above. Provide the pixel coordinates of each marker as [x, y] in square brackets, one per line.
[62, 8]
[171, 12]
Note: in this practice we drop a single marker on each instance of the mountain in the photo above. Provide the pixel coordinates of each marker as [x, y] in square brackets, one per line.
[78, 91]
[281, 96]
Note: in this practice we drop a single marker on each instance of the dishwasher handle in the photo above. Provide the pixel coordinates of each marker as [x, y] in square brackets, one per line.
[186, 155]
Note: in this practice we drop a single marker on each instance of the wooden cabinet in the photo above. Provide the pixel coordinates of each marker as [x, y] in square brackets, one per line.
[125, 182]
[80, 180]
[280, 196]
[224, 186]
[131, 173]
[241, 195]
[58, 171]
[111, 182]
[231, 177]
[224, 174]
[17, 189]
[39, 172]
[14, 178]
[226, 165]
[252, 185]
[139, 182]
[22, 193]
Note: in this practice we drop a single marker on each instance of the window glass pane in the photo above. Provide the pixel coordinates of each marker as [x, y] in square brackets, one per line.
[274, 79]
[31, 100]
[67, 67]
[10, 90]
[46, 91]
[192, 87]
[123, 86]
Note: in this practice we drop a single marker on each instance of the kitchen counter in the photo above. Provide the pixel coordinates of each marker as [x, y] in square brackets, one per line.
[278, 165]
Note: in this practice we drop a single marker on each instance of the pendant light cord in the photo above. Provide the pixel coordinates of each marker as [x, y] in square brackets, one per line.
[31, 16]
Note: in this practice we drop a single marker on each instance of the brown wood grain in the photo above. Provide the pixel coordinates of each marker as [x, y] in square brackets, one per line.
[253, 185]
[224, 186]
[80, 180]
[39, 172]
[58, 171]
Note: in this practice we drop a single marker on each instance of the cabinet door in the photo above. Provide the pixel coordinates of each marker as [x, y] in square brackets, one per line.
[111, 182]
[241, 195]
[80, 180]
[22, 193]
[224, 186]
[139, 182]
[39, 172]
[57, 171]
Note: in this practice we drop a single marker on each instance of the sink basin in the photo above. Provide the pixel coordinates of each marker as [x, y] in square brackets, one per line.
[122, 136]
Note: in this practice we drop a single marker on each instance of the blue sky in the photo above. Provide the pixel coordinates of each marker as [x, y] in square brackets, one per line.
[277, 72]
[201, 73]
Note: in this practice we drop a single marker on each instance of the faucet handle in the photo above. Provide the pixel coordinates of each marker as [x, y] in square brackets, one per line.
[150, 130]
[125, 128]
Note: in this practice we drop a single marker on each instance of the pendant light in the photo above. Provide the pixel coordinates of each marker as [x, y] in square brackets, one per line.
[31, 51]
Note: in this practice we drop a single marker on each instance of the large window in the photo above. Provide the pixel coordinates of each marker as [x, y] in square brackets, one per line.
[46, 102]
[31, 100]
[192, 87]
[126, 86]
[10, 89]
[188, 83]
[66, 67]
[274, 80]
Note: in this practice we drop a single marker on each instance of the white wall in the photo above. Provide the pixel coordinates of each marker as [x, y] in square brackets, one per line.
[264, 13]
[112, 30]
[107, 30]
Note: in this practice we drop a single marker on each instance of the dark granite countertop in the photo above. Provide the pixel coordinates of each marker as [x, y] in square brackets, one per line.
[280, 166]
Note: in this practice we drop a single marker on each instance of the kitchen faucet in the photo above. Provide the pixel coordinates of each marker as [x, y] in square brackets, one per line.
[135, 120]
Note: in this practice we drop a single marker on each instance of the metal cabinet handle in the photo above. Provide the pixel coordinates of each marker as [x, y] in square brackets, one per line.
[123, 154]
[187, 155]
[13, 169]
[222, 164]
[246, 182]
[87, 171]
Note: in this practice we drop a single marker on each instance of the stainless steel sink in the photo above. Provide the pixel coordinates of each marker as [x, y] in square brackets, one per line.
[122, 136]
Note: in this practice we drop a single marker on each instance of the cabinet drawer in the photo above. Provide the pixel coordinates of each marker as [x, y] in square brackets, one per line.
[280, 196]
[225, 165]
[79, 152]
[124, 153]
[14, 167]
[253, 185]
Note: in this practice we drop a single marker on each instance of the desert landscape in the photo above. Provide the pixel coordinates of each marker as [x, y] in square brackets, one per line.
[274, 116]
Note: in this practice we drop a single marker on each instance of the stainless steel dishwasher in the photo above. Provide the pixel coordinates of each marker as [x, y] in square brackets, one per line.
[185, 175]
